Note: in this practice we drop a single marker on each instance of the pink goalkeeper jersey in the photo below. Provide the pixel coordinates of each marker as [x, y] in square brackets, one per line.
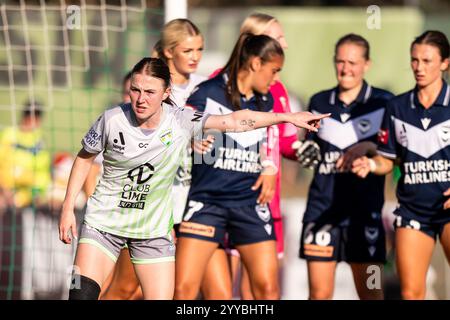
[279, 141]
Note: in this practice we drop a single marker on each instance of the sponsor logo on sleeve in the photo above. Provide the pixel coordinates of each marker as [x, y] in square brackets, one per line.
[92, 138]
[383, 136]
[197, 116]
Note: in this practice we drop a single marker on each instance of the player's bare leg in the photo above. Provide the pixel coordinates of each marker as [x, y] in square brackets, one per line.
[93, 263]
[192, 257]
[413, 256]
[216, 284]
[321, 276]
[157, 280]
[445, 241]
[235, 266]
[261, 262]
[361, 277]
[106, 285]
[124, 283]
[245, 286]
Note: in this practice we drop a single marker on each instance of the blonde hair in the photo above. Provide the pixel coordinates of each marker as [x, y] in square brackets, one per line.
[176, 31]
[257, 23]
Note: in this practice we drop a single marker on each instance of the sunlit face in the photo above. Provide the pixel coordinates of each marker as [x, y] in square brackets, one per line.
[427, 64]
[147, 94]
[186, 56]
[276, 32]
[126, 91]
[265, 73]
[350, 65]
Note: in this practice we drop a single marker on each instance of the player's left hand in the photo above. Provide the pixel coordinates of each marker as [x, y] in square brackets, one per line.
[361, 167]
[345, 161]
[447, 203]
[203, 146]
[267, 182]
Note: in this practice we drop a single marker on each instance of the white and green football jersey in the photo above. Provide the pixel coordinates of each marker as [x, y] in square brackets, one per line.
[133, 196]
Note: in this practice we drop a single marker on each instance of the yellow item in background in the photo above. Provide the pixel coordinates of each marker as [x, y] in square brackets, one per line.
[24, 165]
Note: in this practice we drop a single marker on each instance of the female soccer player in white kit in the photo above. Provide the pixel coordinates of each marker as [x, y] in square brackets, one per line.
[142, 144]
[181, 48]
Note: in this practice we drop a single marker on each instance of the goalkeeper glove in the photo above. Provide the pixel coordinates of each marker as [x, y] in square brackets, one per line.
[307, 153]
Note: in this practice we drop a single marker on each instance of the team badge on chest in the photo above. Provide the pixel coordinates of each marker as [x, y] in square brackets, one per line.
[166, 137]
[364, 125]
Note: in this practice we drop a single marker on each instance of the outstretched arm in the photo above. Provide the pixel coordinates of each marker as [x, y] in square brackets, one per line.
[246, 120]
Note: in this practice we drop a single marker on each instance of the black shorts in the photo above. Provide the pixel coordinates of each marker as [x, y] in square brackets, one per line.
[431, 229]
[357, 242]
[244, 225]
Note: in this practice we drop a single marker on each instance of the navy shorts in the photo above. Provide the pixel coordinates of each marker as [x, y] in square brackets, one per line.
[357, 242]
[431, 229]
[244, 225]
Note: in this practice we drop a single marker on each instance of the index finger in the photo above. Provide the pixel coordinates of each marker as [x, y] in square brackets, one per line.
[320, 116]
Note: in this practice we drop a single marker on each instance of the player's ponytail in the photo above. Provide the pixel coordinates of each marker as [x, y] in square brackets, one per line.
[247, 47]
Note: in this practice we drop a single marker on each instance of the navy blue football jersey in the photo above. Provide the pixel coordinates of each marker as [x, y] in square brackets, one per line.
[225, 175]
[420, 139]
[335, 196]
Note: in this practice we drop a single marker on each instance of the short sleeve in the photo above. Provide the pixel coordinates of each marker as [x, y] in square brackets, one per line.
[95, 139]
[197, 99]
[193, 121]
[386, 135]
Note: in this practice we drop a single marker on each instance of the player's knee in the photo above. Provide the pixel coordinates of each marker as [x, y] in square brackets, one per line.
[267, 290]
[126, 291]
[246, 291]
[217, 294]
[321, 294]
[413, 293]
[88, 289]
[184, 290]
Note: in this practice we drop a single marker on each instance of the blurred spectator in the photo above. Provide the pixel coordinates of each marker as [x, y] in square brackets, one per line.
[25, 165]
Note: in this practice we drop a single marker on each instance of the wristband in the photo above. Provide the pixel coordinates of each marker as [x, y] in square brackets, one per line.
[372, 165]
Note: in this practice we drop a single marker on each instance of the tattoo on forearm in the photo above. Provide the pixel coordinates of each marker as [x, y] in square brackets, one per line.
[249, 123]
